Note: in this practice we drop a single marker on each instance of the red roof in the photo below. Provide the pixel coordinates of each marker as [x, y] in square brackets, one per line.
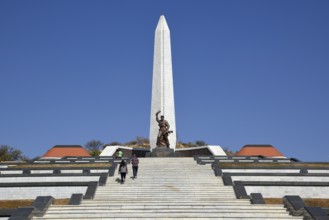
[259, 150]
[67, 150]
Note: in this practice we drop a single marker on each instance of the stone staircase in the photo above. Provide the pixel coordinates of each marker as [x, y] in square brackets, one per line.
[167, 188]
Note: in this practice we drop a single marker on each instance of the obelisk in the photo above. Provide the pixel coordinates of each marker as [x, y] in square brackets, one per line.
[162, 85]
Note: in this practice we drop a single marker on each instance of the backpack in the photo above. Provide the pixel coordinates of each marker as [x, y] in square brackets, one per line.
[123, 169]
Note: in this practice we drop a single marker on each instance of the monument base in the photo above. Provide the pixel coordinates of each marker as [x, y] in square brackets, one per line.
[162, 152]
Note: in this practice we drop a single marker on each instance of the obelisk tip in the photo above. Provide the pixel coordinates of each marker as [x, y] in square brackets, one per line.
[162, 24]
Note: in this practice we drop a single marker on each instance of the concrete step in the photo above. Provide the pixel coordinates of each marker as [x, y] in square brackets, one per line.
[170, 206]
[190, 214]
[160, 195]
[158, 182]
[173, 218]
[168, 192]
[171, 212]
[160, 191]
[163, 200]
[141, 195]
[164, 187]
[167, 188]
[164, 184]
[205, 203]
[164, 193]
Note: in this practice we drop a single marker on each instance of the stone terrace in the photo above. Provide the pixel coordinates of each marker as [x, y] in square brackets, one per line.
[167, 188]
[62, 179]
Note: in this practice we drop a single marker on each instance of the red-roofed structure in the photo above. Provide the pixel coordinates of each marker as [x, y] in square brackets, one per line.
[259, 150]
[67, 150]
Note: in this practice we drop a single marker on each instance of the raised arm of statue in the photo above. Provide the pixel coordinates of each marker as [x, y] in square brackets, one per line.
[157, 116]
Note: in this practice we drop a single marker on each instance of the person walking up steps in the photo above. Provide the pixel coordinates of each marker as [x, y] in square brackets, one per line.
[123, 170]
[134, 162]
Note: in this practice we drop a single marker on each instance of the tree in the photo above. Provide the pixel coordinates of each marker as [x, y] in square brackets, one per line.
[142, 140]
[200, 143]
[114, 143]
[8, 153]
[130, 143]
[94, 147]
[229, 152]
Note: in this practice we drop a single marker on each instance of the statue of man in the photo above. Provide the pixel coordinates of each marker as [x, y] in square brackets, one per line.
[162, 139]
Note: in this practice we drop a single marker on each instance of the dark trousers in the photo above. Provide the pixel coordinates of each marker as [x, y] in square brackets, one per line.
[123, 176]
[135, 170]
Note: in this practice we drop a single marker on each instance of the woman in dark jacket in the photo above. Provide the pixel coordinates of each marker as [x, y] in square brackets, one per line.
[123, 170]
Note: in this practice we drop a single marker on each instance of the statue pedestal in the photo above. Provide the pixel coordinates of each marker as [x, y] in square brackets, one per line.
[162, 152]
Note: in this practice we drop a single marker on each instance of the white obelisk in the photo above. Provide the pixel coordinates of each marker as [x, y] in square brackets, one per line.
[162, 85]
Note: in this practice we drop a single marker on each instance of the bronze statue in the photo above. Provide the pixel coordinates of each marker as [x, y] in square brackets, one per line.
[164, 132]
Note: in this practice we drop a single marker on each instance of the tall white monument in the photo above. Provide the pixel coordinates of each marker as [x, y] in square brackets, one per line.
[162, 85]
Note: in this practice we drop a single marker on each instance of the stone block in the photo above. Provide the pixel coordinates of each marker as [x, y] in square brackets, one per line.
[76, 199]
[103, 179]
[227, 180]
[257, 198]
[24, 213]
[41, 205]
[86, 171]
[6, 212]
[162, 152]
[303, 171]
[240, 191]
[56, 171]
[217, 169]
[315, 213]
[294, 205]
[26, 171]
[112, 169]
[91, 190]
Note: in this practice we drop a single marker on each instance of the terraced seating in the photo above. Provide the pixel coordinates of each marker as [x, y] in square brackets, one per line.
[167, 188]
[275, 179]
[171, 188]
[19, 181]
[240, 159]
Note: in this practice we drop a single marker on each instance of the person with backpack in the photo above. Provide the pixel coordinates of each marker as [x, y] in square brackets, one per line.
[134, 162]
[123, 170]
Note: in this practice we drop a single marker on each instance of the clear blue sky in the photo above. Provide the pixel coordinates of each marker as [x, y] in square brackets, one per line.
[245, 72]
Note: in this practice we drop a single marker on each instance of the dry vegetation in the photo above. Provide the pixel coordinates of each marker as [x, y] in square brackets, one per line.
[51, 166]
[139, 146]
[324, 203]
[13, 204]
[273, 201]
[251, 165]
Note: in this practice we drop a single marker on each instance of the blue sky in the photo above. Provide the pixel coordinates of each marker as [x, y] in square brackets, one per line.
[245, 72]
